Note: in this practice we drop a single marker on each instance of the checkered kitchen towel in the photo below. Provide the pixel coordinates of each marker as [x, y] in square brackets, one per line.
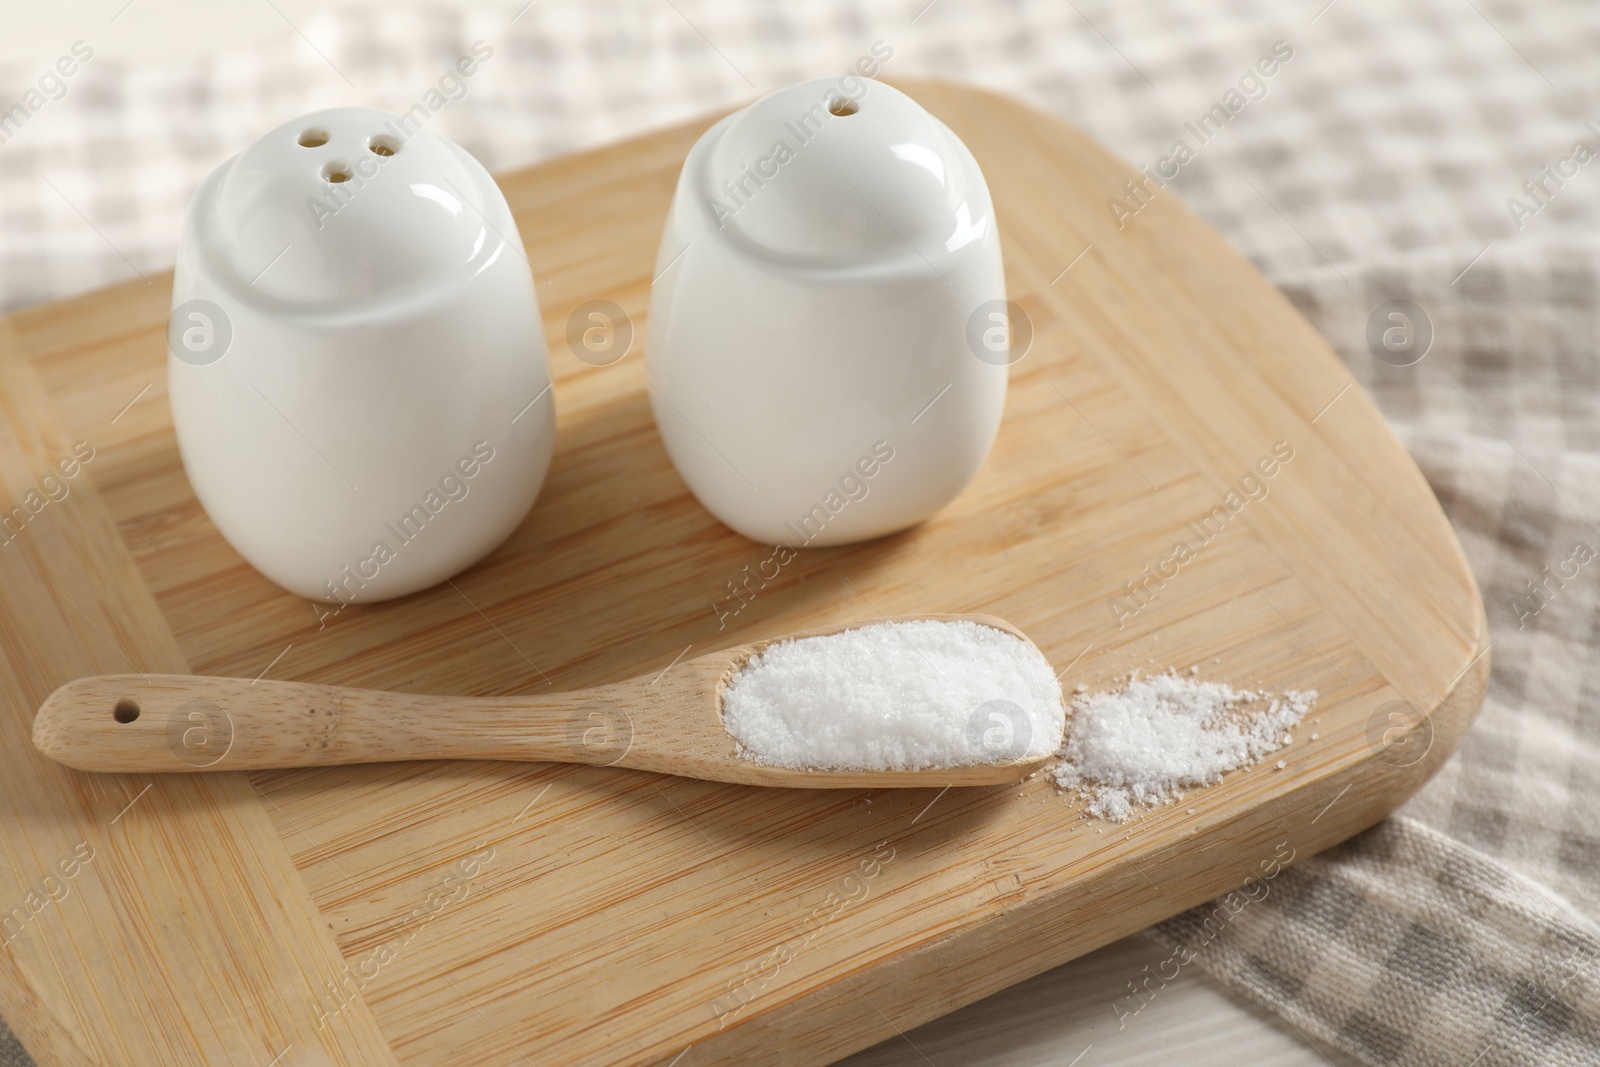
[1425, 151]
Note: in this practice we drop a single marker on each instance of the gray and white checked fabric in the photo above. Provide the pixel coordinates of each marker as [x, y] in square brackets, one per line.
[1376, 166]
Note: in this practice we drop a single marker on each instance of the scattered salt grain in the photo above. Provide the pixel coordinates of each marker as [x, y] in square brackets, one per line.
[1282, 765]
[1160, 735]
[896, 696]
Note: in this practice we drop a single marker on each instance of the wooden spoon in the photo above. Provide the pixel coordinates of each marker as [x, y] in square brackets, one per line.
[669, 722]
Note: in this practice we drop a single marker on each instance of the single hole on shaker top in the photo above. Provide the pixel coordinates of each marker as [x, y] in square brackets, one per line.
[125, 711]
[336, 172]
[843, 105]
[383, 146]
[314, 138]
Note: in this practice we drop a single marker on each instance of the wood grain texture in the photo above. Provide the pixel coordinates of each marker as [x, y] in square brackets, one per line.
[502, 913]
[146, 920]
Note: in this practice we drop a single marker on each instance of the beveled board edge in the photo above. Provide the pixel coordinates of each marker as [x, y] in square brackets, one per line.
[191, 936]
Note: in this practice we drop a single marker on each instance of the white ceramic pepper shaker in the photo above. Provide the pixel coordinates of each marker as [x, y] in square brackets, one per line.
[357, 370]
[828, 349]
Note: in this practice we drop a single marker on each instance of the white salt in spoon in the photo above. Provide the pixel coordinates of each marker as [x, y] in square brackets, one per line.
[669, 722]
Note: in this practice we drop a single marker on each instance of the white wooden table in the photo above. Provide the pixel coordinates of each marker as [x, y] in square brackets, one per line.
[1064, 1018]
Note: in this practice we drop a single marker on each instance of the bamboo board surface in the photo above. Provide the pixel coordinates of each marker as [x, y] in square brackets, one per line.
[501, 913]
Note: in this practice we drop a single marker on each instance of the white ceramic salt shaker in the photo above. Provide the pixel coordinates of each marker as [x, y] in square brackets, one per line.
[357, 370]
[828, 331]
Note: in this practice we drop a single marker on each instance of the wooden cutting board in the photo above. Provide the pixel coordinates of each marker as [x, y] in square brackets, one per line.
[505, 914]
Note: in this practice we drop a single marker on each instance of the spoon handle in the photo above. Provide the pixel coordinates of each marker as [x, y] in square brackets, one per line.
[179, 722]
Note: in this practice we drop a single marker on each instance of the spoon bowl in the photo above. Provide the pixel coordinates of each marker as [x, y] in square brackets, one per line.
[670, 722]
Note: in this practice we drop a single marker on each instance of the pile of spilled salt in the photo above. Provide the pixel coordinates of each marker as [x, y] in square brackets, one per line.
[896, 696]
[1160, 735]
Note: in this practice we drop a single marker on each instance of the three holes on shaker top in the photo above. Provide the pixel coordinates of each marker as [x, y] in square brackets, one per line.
[125, 711]
[378, 145]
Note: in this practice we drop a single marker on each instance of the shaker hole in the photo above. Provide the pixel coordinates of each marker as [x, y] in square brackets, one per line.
[313, 138]
[383, 146]
[843, 105]
[336, 172]
[125, 711]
